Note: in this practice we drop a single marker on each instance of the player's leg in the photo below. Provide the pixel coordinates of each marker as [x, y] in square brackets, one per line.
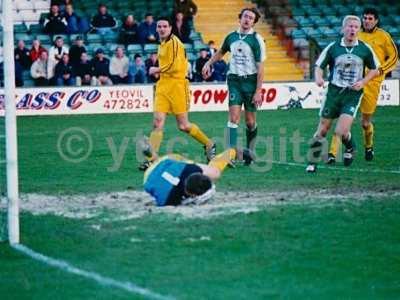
[222, 160]
[368, 107]
[317, 144]
[233, 125]
[155, 139]
[368, 134]
[251, 135]
[333, 149]
[195, 132]
[343, 131]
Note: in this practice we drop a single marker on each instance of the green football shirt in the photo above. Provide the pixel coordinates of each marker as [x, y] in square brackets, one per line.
[246, 51]
[347, 64]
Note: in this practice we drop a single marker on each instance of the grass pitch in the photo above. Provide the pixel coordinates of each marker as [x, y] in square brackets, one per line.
[330, 235]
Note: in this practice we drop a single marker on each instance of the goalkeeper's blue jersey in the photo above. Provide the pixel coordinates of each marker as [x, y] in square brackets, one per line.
[165, 181]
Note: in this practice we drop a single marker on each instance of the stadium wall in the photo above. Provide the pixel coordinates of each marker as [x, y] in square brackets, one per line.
[139, 98]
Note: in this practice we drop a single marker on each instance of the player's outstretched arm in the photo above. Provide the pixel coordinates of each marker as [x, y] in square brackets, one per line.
[206, 71]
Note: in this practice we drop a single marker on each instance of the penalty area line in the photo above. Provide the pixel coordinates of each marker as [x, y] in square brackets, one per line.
[103, 280]
[321, 166]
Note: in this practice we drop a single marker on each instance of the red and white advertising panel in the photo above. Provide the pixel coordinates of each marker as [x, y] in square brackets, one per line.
[139, 99]
[82, 100]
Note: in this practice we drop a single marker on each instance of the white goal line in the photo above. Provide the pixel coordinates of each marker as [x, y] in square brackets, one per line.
[103, 280]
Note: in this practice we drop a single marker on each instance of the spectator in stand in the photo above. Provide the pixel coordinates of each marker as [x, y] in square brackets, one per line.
[76, 51]
[64, 72]
[101, 68]
[198, 65]
[55, 22]
[137, 70]
[148, 30]
[19, 80]
[76, 24]
[39, 70]
[211, 48]
[181, 28]
[188, 7]
[220, 69]
[36, 49]
[129, 31]
[119, 66]
[55, 55]
[61, 4]
[152, 61]
[103, 22]
[84, 72]
[21, 55]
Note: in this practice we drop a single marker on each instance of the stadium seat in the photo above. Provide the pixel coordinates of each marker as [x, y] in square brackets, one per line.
[303, 21]
[298, 11]
[188, 47]
[44, 39]
[195, 36]
[20, 28]
[298, 34]
[327, 10]
[23, 36]
[150, 48]
[197, 45]
[35, 28]
[111, 38]
[319, 21]
[94, 38]
[134, 48]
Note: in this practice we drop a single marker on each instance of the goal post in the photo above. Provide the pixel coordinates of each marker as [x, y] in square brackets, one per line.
[10, 124]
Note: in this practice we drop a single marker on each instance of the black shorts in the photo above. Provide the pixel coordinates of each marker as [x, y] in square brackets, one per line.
[177, 193]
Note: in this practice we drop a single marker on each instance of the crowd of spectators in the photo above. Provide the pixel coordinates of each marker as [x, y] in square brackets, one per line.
[63, 66]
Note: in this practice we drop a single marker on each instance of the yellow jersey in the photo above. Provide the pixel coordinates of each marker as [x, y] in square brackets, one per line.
[384, 48]
[172, 59]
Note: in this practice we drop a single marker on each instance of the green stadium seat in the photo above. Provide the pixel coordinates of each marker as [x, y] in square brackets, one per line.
[342, 10]
[91, 48]
[303, 21]
[197, 45]
[195, 36]
[134, 49]
[94, 38]
[329, 33]
[298, 34]
[44, 39]
[111, 38]
[319, 21]
[150, 48]
[20, 28]
[35, 28]
[327, 10]
[298, 11]
[191, 57]
[312, 11]
[313, 33]
[188, 47]
[25, 37]
[335, 21]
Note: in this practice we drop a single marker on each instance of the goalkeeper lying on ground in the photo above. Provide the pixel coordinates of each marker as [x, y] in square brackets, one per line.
[175, 180]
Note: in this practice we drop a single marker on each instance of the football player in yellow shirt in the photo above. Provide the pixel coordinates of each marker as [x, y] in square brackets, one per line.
[172, 92]
[386, 51]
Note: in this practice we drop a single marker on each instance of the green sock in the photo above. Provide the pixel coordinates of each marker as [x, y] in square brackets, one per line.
[251, 134]
[232, 135]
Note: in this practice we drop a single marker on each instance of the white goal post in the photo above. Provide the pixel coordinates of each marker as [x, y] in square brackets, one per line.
[10, 123]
